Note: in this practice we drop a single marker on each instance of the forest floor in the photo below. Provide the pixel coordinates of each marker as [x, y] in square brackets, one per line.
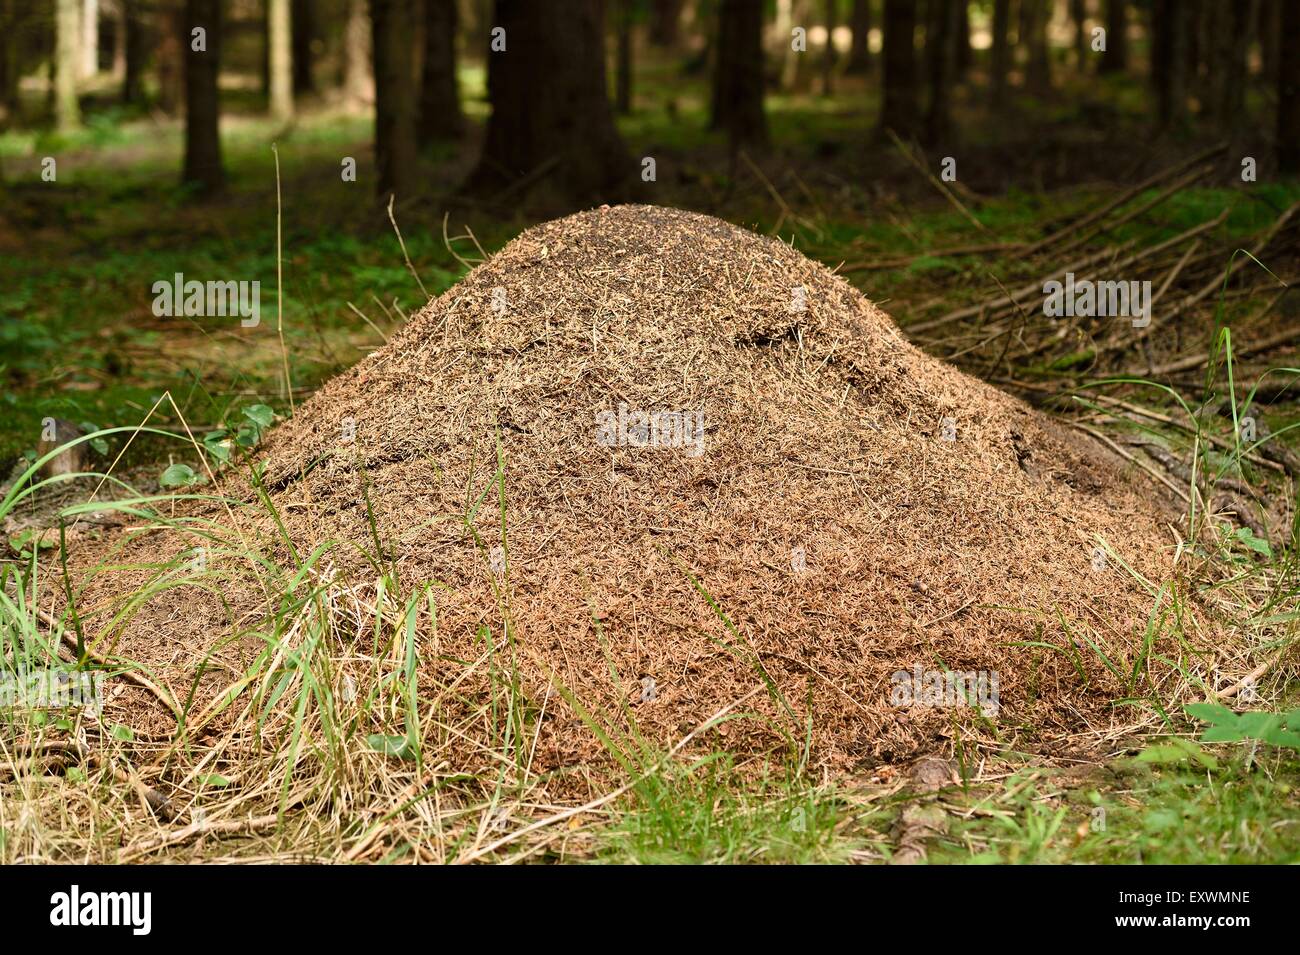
[81, 342]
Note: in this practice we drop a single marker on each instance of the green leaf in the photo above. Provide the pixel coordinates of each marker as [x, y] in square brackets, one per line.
[217, 446]
[123, 733]
[260, 415]
[214, 779]
[178, 475]
[388, 745]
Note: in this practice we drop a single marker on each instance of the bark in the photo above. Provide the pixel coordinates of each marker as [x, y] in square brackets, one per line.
[828, 52]
[1115, 59]
[1169, 60]
[67, 110]
[551, 134]
[738, 73]
[1288, 91]
[1038, 75]
[358, 81]
[279, 40]
[440, 115]
[303, 17]
[171, 57]
[961, 42]
[793, 69]
[665, 23]
[203, 170]
[137, 52]
[899, 110]
[1082, 41]
[392, 28]
[623, 59]
[860, 52]
[1001, 58]
[89, 48]
[940, 34]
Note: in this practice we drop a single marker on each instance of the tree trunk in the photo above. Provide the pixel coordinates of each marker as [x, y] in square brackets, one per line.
[1079, 14]
[203, 170]
[1115, 59]
[1288, 92]
[828, 53]
[941, 24]
[1270, 32]
[738, 73]
[89, 39]
[279, 39]
[172, 43]
[551, 132]
[137, 51]
[961, 42]
[358, 81]
[899, 111]
[392, 28]
[793, 71]
[1038, 75]
[10, 70]
[67, 111]
[665, 22]
[119, 41]
[303, 17]
[623, 59]
[1169, 60]
[1235, 33]
[860, 52]
[440, 116]
[1001, 58]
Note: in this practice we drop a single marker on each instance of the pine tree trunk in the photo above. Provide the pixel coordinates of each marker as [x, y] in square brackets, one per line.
[137, 51]
[280, 63]
[171, 57]
[440, 116]
[1231, 62]
[1001, 58]
[358, 81]
[1079, 14]
[203, 170]
[939, 54]
[551, 133]
[9, 68]
[623, 59]
[860, 52]
[828, 52]
[1169, 60]
[1288, 91]
[303, 17]
[67, 110]
[738, 73]
[961, 43]
[1115, 59]
[793, 70]
[665, 23]
[89, 39]
[392, 29]
[899, 110]
[1038, 76]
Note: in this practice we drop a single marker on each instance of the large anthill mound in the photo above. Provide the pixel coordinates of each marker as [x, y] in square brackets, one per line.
[852, 507]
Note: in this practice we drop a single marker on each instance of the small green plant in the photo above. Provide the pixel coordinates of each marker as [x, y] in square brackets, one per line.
[1227, 726]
